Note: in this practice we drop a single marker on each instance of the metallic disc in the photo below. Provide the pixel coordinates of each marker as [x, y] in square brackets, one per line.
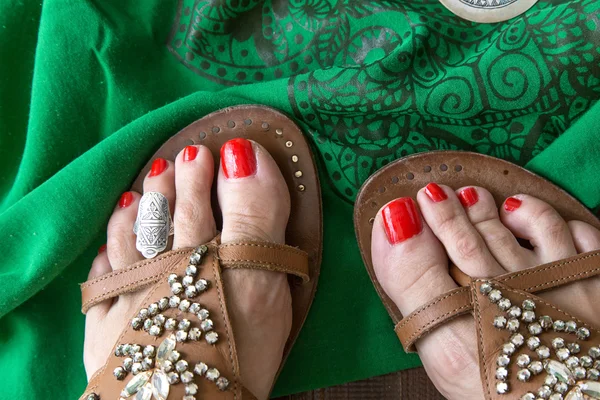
[488, 11]
[153, 224]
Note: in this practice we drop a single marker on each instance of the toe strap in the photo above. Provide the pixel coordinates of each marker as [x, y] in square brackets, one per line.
[252, 255]
[129, 279]
[459, 301]
[266, 256]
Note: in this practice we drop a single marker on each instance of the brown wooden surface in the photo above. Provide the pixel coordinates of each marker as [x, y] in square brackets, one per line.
[410, 384]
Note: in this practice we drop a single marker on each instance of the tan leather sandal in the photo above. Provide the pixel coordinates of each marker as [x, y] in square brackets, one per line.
[180, 344]
[529, 349]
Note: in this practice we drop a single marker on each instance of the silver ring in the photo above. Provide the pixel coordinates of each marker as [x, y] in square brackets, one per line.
[153, 224]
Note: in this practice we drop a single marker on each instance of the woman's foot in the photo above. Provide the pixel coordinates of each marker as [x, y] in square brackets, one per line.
[255, 203]
[411, 252]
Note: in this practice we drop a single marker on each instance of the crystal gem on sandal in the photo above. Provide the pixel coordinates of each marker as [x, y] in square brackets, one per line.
[591, 389]
[524, 375]
[558, 325]
[191, 270]
[575, 394]
[173, 378]
[500, 322]
[485, 288]
[211, 337]
[212, 374]
[533, 342]
[528, 304]
[502, 387]
[200, 368]
[160, 385]
[495, 295]
[501, 373]
[517, 339]
[515, 312]
[583, 333]
[560, 371]
[536, 367]
[513, 325]
[222, 383]
[571, 326]
[187, 377]
[504, 304]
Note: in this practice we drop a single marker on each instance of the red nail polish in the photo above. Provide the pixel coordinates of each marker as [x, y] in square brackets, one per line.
[189, 153]
[401, 220]
[238, 159]
[102, 249]
[158, 166]
[468, 197]
[512, 203]
[435, 192]
[125, 200]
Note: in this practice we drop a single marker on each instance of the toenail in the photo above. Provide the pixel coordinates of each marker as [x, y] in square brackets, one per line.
[238, 159]
[158, 166]
[190, 153]
[125, 200]
[401, 220]
[102, 249]
[468, 197]
[435, 192]
[512, 203]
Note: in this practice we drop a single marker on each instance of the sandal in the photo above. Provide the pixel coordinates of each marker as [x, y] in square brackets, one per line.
[525, 344]
[181, 343]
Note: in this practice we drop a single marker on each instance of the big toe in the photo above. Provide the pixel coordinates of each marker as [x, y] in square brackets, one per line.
[412, 266]
[255, 203]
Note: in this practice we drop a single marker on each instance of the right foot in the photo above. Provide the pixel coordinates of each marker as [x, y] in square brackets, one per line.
[255, 203]
[411, 252]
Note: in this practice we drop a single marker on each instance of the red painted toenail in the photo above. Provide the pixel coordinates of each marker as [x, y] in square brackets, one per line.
[189, 153]
[238, 159]
[512, 203]
[125, 200]
[468, 197]
[435, 192]
[102, 249]
[158, 166]
[401, 220]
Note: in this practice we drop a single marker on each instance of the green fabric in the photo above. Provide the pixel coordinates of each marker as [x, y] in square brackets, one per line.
[90, 89]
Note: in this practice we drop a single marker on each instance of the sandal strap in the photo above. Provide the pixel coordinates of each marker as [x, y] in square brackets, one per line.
[251, 255]
[129, 279]
[265, 256]
[460, 301]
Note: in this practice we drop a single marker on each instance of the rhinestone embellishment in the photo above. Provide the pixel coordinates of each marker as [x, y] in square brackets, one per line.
[570, 375]
[156, 369]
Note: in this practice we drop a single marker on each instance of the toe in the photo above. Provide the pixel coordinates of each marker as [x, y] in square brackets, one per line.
[585, 237]
[412, 267]
[193, 218]
[121, 249]
[253, 195]
[450, 224]
[255, 203]
[500, 241]
[161, 179]
[535, 220]
[409, 261]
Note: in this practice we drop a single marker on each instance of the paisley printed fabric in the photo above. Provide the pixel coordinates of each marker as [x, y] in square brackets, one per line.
[377, 80]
